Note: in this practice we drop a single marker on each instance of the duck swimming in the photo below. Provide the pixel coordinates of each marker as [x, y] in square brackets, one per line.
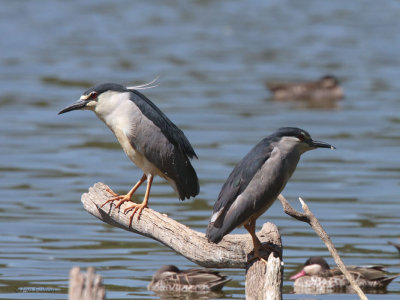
[170, 278]
[325, 88]
[317, 277]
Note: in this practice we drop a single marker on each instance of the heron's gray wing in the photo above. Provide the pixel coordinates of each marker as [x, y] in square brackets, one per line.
[242, 174]
[169, 129]
[165, 146]
[236, 183]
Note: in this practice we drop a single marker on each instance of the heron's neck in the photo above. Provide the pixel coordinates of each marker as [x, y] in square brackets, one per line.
[115, 110]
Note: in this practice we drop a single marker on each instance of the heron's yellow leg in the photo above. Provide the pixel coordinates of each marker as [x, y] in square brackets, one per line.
[124, 198]
[139, 207]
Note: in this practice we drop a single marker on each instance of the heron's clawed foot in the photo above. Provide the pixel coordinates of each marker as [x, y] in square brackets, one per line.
[110, 191]
[116, 197]
[271, 249]
[135, 208]
[264, 257]
[255, 257]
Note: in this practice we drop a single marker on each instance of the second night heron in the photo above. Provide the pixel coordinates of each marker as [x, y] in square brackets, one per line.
[148, 137]
[257, 180]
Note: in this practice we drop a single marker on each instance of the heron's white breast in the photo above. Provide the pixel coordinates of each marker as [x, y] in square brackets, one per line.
[122, 116]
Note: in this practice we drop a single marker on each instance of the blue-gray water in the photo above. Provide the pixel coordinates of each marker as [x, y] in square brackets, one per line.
[213, 58]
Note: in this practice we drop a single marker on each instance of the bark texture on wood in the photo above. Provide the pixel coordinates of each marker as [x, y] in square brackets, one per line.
[231, 252]
[85, 286]
[274, 278]
[264, 281]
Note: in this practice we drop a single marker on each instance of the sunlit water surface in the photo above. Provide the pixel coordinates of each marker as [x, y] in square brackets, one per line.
[213, 59]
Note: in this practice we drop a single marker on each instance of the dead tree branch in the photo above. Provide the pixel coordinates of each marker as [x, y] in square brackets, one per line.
[309, 218]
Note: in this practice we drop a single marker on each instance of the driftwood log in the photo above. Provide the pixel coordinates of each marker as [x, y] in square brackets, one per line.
[234, 251]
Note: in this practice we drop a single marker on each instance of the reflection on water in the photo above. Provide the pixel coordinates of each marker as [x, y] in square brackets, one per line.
[213, 59]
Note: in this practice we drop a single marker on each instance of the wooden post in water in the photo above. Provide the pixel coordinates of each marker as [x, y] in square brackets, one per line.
[85, 286]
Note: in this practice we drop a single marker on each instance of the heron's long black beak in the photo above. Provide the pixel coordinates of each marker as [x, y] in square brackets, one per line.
[319, 144]
[77, 105]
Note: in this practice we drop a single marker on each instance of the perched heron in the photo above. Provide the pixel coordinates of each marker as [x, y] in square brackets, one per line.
[256, 182]
[148, 137]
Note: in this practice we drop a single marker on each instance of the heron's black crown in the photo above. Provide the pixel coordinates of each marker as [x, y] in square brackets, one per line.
[104, 87]
[291, 131]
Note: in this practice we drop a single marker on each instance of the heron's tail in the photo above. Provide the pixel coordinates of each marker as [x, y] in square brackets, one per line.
[213, 233]
[187, 183]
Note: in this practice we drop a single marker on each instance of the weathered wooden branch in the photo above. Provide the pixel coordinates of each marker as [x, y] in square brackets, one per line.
[231, 252]
[85, 286]
[234, 251]
[309, 218]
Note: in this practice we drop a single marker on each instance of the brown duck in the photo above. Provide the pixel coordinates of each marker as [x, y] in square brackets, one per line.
[317, 277]
[170, 278]
[325, 88]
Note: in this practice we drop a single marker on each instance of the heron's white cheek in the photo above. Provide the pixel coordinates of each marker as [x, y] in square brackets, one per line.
[91, 105]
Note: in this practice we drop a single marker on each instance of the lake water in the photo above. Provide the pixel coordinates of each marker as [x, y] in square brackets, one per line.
[213, 59]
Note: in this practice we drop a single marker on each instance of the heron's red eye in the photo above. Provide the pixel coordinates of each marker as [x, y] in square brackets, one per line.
[301, 136]
[92, 95]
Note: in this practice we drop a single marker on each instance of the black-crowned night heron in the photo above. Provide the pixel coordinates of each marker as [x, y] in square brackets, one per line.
[148, 137]
[256, 182]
